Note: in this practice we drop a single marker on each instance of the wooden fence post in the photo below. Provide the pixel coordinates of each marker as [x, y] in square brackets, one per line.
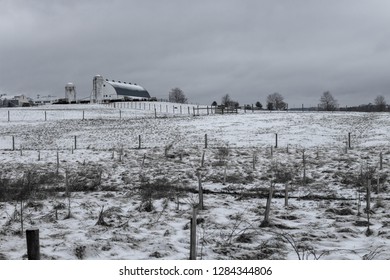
[45, 116]
[205, 141]
[67, 192]
[120, 114]
[368, 196]
[75, 142]
[155, 113]
[21, 217]
[304, 167]
[58, 161]
[286, 195]
[276, 140]
[83, 114]
[13, 143]
[380, 161]
[368, 207]
[200, 206]
[32, 237]
[193, 235]
[265, 222]
[139, 141]
[8, 117]
[349, 140]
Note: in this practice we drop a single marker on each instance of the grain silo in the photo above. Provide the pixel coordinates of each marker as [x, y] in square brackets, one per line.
[70, 92]
[97, 89]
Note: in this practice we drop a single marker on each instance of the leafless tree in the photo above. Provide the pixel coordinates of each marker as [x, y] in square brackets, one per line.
[226, 100]
[327, 102]
[276, 101]
[176, 95]
[380, 103]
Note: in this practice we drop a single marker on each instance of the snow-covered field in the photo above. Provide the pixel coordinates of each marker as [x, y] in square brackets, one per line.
[146, 190]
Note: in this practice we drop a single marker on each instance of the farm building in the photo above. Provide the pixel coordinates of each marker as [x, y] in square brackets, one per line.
[106, 90]
[14, 101]
[44, 100]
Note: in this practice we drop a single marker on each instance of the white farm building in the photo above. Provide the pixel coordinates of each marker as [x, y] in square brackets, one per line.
[14, 100]
[105, 90]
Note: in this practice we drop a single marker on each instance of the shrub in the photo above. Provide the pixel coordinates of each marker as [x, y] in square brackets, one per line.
[160, 188]
[85, 179]
[222, 154]
[80, 251]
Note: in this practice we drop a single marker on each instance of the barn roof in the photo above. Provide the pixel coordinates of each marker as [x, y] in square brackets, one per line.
[128, 89]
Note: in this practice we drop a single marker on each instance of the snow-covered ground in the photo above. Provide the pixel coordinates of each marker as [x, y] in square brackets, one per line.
[147, 190]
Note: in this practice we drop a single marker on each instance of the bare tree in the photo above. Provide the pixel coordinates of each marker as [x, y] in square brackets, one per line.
[226, 100]
[176, 95]
[327, 102]
[276, 101]
[380, 103]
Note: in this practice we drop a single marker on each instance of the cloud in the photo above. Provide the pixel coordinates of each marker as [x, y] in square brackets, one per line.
[248, 48]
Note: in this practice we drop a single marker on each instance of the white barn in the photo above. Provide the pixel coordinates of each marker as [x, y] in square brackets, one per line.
[104, 90]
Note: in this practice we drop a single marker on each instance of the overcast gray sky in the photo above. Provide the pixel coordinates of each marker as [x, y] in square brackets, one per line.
[208, 48]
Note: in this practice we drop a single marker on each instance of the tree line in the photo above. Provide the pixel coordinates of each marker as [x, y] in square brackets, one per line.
[275, 101]
[329, 103]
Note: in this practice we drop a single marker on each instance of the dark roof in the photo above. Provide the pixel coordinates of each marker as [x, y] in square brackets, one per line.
[130, 90]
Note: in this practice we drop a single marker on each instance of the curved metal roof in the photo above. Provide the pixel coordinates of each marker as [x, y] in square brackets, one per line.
[132, 90]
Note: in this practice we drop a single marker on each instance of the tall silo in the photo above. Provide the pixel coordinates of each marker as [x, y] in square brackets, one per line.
[70, 92]
[97, 89]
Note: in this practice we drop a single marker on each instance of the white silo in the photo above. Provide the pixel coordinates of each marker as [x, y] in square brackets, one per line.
[70, 92]
[97, 89]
